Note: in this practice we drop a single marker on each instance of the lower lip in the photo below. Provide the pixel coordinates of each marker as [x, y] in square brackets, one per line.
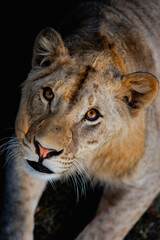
[39, 167]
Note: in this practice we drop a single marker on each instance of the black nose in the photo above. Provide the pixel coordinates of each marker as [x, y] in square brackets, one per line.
[44, 153]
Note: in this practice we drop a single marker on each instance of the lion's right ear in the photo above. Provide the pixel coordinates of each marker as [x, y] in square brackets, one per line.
[48, 45]
[141, 89]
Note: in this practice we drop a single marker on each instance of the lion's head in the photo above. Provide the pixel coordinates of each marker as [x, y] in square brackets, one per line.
[79, 112]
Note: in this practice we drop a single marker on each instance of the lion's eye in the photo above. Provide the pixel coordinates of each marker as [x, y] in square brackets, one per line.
[92, 115]
[45, 63]
[48, 94]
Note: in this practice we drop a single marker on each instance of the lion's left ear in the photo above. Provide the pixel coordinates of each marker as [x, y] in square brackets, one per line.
[48, 45]
[142, 89]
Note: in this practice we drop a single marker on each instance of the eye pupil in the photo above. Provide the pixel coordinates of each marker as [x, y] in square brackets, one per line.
[91, 114]
[48, 94]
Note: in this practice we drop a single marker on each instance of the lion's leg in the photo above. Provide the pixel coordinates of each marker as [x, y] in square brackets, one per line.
[21, 196]
[118, 212]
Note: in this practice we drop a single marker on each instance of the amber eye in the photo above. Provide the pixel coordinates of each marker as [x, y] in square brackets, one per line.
[92, 115]
[48, 94]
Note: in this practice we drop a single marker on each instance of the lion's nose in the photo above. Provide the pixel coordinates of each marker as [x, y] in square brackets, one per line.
[44, 153]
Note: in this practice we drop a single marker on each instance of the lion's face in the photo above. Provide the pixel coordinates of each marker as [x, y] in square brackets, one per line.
[72, 108]
[67, 119]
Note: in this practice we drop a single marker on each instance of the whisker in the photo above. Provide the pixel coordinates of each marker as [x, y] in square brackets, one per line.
[53, 185]
[5, 146]
[82, 182]
[75, 185]
[10, 147]
[81, 177]
[83, 168]
[10, 156]
[5, 138]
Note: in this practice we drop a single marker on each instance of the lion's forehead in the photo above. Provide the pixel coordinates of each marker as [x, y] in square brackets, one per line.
[73, 83]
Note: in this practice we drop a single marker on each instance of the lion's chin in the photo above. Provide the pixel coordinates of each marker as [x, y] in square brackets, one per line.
[39, 171]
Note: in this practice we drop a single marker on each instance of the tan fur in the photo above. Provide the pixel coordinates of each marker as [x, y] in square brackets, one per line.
[111, 67]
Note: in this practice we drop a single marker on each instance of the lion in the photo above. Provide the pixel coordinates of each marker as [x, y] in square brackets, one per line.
[90, 104]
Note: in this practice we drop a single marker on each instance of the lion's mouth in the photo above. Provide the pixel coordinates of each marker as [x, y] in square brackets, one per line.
[39, 167]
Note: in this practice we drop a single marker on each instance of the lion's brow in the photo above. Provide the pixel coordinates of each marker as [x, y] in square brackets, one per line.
[80, 83]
